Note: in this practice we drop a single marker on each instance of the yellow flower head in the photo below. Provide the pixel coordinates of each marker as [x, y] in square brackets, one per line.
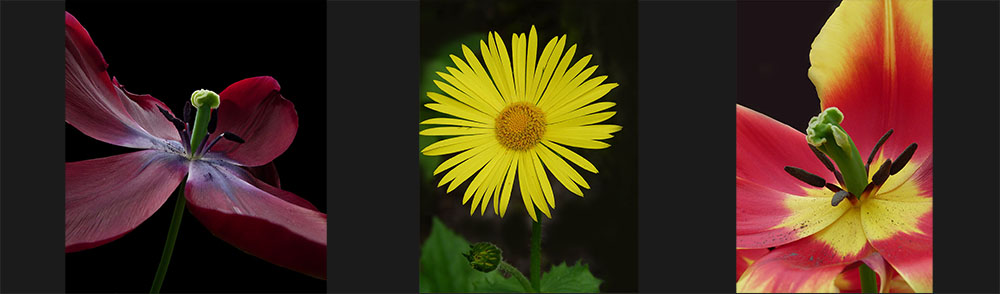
[512, 118]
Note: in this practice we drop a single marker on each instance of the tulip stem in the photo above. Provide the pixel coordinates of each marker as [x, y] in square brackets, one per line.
[868, 284]
[168, 247]
[536, 256]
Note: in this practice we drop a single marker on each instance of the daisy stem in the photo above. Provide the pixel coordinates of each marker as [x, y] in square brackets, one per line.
[536, 256]
[868, 284]
[168, 247]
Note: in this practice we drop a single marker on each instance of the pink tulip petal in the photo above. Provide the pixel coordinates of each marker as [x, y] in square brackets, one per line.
[811, 264]
[766, 217]
[746, 257]
[108, 197]
[255, 110]
[256, 221]
[765, 146]
[97, 106]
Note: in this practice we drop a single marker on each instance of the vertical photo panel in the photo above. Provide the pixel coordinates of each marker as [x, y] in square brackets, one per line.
[527, 146]
[192, 132]
[834, 142]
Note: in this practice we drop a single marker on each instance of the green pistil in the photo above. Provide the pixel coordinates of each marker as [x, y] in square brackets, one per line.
[204, 101]
[828, 136]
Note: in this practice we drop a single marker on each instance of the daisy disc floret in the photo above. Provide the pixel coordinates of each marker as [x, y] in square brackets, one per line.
[511, 116]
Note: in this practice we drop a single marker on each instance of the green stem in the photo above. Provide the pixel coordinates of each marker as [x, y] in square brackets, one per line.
[168, 248]
[200, 128]
[868, 284]
[536, 256]
[511, 270]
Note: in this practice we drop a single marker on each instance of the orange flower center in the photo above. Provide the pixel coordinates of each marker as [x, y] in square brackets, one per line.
[520, 126]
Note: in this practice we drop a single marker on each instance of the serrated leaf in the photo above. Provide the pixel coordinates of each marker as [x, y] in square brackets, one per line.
[443, 269]
[570, 279]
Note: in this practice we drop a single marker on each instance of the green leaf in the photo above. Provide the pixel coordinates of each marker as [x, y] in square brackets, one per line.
[496, 283]
[443, 269]
[570, 279]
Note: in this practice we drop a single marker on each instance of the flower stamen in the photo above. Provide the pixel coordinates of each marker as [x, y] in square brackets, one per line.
[903, 158]
[877, 146]
[806, 177]
[520, 126]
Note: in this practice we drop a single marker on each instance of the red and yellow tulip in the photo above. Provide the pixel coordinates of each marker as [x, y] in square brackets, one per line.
[872, 60]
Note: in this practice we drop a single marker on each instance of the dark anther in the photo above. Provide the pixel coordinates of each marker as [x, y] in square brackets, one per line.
[228, 136]
[177, 123]
[877, 146]
[903, 158]
[187, 112]
[883, 173]
[213, 121]
[822, 157]
[232, 137]
[826, 162]
[804, 176]
[832, 187]
[839, 197]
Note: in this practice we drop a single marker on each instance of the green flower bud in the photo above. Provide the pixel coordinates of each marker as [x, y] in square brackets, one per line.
[205, 97]
[484, 256]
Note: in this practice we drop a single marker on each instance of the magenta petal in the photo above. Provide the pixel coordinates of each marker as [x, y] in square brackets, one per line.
[96, 105]
[108, 197]
[256, 221]
[255, 110]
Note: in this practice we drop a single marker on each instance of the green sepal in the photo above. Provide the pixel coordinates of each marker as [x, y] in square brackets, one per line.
[484, 256]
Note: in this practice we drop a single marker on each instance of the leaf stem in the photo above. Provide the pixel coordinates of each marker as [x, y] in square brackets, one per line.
[511, 270]
[868, 284]
[536, 256]
[168, 247]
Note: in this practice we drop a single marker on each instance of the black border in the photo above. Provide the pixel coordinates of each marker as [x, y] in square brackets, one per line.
[966, 128]
[373, 75]
[687, 81]
[32, 201]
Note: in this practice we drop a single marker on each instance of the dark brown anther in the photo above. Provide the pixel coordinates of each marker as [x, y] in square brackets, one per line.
[232, 137]
[877, 146]
[883, 173]
[834, 188]
[178, 124]
[804, 176]
[839, 197]
[903, 158]
[826, 162]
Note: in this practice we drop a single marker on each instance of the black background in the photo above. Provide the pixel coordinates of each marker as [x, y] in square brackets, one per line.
[169, 49]
[599, 229]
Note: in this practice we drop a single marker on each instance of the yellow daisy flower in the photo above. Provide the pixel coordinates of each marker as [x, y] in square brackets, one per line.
[512, 119]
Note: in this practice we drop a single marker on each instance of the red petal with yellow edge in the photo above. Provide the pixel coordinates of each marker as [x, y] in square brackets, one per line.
[849, 281]
[765, 146]
[746, 257]
[873, 61]
[901, 230]
[766, 217]
[811, 264]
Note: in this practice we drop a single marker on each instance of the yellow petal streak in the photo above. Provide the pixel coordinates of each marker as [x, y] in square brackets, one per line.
[512, 112]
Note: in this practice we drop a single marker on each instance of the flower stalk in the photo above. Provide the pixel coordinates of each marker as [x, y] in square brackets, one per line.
[536, 256]
[868, 284]
[168, 247]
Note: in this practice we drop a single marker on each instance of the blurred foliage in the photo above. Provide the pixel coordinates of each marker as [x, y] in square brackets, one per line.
[443, 269]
